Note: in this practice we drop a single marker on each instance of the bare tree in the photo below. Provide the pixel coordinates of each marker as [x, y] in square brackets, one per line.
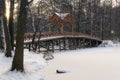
[1, 26]
[18, 59]
[6, 31]
[11, 25]
[118, 1]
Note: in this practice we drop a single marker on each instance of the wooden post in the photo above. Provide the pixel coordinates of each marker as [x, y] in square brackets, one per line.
[75, 42]
[79, 43]
[62, 28]
[47, 45]
[90, 43]
[72, 44]
[87, 42]
[69, 44]
[52, 46]
[64, 44]
[59, 43]
[29, 47]
[83, 43]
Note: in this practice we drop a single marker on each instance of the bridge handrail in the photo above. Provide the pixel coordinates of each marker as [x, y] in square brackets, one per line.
[29, 36]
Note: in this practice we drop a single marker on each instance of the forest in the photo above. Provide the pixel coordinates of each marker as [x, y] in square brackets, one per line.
[99, 18]
[94, 17]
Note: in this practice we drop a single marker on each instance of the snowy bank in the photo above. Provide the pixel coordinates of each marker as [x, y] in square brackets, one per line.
[33, 65]
[100, 63]
[109, 43]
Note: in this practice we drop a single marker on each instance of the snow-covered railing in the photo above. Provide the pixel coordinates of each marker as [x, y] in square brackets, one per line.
[29, 36]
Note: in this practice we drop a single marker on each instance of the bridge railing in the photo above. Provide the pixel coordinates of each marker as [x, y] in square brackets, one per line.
[29, 36]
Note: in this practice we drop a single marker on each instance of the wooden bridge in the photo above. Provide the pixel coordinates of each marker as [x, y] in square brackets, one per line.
[52, 41]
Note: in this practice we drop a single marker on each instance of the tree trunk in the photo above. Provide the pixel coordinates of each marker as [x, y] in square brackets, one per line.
[6, 31]
[1, 28]
[17, 63]
[11, 26]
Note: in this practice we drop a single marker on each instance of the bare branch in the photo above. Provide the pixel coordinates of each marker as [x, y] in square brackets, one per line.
[29, 2]
[117, 1]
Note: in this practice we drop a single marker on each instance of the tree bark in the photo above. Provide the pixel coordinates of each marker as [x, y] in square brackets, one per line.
[18, 59]
[1, 27]
[11, 25]
[6, 31]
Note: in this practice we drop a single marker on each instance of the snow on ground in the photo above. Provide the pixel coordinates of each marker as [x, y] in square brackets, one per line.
[109, 43]
[85, 64]
[33, 65]
[101, 63]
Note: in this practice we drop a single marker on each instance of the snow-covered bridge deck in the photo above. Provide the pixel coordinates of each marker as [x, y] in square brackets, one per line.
[65, 41]
[56, 35]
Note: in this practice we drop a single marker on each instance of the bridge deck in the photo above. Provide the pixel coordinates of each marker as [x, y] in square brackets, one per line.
[64, 41]
[56, 35]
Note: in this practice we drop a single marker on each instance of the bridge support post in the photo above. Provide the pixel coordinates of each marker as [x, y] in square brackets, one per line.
[64, 44]
[48, 45]
[82, 43]
[29, 47]
[75, 43]
[89, 43]
[70, 44]
[93, 43]
[53, 46]
[79, 43]
[60, 48]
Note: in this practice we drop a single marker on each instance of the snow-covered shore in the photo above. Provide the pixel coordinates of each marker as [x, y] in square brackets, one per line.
[100, 63]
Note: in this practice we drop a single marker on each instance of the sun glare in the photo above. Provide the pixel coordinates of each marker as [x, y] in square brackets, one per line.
[7, 10]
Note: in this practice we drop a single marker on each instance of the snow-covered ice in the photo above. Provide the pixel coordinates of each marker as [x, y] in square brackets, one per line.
[100, 63]
[86, 64]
